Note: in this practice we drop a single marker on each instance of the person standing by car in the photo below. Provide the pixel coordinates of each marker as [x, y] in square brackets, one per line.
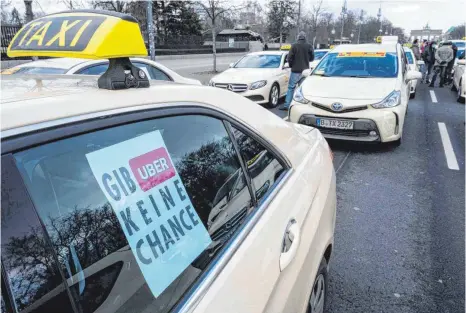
[429, 59]
[449, 74]
[423, 45]
[416, 51]
[301, 53]
[443, 56]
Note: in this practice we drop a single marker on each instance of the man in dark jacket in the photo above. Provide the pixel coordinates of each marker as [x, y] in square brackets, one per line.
[429, 59]
[301, 53]
[416, 51]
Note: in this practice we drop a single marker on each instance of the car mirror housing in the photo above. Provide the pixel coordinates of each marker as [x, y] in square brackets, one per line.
[413, 75]
[462, 62]
[232, 64]
[307, 72]
[286, 65]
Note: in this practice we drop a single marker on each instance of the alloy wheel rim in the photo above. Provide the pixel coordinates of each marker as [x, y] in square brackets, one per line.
[274, 95]
[316, 303]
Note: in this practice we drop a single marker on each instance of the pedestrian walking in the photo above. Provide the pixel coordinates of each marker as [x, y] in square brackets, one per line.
[416, 51]
[423, 45]
[301, 53]
[443, 56]
[429, 59]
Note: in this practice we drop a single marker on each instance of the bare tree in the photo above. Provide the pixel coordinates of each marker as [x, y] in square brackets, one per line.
[4, 6]
[317, 12]
[120, 6]
[73, 4]
[214, 9]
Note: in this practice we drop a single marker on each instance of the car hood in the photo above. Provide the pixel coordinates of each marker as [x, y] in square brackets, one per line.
[245, 75]
[348, 88]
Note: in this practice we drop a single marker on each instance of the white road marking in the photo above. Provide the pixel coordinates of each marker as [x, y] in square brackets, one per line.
[343, 162]
[447, 147]
[433, 96]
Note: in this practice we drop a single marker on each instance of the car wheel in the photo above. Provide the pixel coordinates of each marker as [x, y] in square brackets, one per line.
[318, 299]
[274, 96]
[460, 98]
[412, 95]
[453, 87]
[396, 143]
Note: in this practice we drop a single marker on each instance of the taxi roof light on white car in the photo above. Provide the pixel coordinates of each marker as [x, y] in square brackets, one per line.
[88, 34]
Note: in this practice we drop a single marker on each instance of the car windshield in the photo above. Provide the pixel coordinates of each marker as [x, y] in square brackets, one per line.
[460, 44]
[40, 70]
[260, 61]
[409, 56]
[319, 55]
[355, 64]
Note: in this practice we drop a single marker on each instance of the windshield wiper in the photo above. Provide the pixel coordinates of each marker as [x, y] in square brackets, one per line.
[358, 76]
[323, 75]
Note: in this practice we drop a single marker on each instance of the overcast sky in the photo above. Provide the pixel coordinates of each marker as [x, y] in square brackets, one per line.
[409, 14]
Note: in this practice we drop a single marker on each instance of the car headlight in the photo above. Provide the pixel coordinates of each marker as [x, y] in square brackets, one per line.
[257, 85]
[298, 96]
[392, 100]
[211, 83]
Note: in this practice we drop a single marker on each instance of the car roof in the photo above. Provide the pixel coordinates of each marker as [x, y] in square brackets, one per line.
[273, 52]
[376, 47]
[63, 63]
[56, 97]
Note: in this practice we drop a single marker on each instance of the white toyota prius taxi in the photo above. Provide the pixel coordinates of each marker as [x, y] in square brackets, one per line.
[121, 194]
[259, 76]
[357, 92]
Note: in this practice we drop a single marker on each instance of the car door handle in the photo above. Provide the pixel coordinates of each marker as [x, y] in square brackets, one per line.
[291, 241]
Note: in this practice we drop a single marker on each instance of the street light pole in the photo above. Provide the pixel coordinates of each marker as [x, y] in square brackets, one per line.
[150, 28]
[343, 11]
[361, 17]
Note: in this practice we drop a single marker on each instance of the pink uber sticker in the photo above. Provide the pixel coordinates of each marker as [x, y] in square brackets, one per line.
[152, 168]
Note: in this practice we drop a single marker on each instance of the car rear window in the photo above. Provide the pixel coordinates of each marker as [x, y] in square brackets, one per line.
[40, 70]
[135, 238]
[355, 64]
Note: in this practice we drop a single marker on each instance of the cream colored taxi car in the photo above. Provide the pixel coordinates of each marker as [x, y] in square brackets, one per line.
[71, 66]
[259, 76]
[357, 92]
[121, 194]
[459, 80]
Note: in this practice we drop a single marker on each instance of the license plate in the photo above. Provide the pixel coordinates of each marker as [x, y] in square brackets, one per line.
[335, 124]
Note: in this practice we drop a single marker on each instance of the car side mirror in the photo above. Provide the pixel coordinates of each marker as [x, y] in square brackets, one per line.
[307, 72]
[286, 65]
[461, 62]
[232, 64]
[413, 75]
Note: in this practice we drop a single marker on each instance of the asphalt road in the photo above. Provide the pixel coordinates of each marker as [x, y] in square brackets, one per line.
[400, 231]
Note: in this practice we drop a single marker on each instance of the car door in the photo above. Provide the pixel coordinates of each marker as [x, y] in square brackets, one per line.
[284, 75]
[405, 86]
[459, 71]
[267, 273]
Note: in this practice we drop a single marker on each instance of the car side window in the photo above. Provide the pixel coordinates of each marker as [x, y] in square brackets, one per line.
[97, 69]
[183, 196]
[154, 72]
[404, 62]
[262, 165]
[27, 257]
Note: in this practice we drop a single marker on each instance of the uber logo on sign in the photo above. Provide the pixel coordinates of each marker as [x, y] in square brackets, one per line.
[152, 168]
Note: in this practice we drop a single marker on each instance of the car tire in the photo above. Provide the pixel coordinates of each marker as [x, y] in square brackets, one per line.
[412, 95]
[459, 98]
[453, 87]
[274, 96]
[318, 299]
[396, 143]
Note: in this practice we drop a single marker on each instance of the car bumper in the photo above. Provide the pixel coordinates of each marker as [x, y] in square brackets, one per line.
[260, 95]
[370, 125]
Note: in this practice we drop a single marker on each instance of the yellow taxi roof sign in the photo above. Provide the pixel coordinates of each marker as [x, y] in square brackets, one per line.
[379, 39]
[285, 46]
[88, 34]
